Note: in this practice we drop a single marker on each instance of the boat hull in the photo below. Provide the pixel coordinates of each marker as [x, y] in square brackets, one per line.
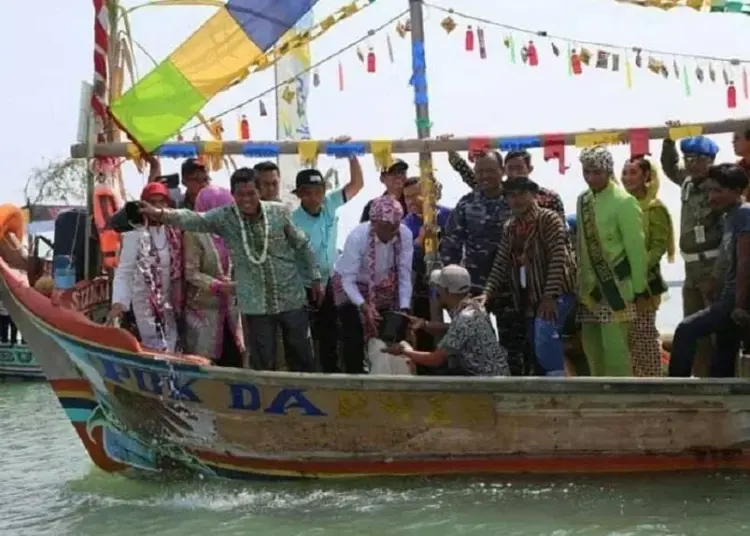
[17, 363]
[139, 413]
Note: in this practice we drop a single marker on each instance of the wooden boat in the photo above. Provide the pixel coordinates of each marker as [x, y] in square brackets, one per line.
[139, 413]
[17, 363]
[16, 360]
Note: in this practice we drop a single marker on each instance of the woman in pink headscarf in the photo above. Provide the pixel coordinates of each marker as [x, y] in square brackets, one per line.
[214, 329]
[373, 274]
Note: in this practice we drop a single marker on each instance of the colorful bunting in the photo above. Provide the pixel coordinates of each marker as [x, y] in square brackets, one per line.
[554, 148]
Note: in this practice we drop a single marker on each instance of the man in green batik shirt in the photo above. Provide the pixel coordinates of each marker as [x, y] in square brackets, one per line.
[265, 248]
[612, 265]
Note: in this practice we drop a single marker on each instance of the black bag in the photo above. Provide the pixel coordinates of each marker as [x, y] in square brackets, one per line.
[393, 326]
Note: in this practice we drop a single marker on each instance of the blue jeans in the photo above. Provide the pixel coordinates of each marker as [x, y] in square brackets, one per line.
[545, 336]
[715, 320]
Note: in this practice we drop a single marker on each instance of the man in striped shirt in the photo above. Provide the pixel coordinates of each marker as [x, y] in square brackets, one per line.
[534, 260]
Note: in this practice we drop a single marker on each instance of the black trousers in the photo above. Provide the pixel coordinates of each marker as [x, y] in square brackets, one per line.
[8, 330]
[295, 333]
[324, 326]
[352, 339]
[230, 354]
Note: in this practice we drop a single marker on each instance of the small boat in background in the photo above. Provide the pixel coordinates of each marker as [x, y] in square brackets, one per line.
[17, 363]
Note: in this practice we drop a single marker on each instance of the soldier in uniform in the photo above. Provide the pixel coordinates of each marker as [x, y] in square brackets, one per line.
[700, 231]
[473, 235]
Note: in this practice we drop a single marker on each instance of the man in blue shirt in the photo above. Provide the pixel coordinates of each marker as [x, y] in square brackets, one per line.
[316, 216]
[727, 317]
[415, 223]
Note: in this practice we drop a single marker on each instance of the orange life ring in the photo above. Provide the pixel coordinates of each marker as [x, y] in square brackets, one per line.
[11, 221]
[106, 203]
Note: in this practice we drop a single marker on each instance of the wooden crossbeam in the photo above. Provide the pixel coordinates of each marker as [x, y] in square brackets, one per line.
[406, 146]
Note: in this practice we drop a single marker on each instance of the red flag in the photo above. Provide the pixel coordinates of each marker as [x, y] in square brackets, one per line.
[478, 146]
[554, 147]
[639, 142]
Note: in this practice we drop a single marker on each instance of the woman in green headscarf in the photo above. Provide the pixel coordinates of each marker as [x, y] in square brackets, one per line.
[612, 265]
[640, 178]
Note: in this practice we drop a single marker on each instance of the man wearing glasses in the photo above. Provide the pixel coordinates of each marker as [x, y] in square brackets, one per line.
[700, 230]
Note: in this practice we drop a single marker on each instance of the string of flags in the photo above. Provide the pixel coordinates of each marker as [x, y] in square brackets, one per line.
[714, 6]
[553, 145]
[525, 45]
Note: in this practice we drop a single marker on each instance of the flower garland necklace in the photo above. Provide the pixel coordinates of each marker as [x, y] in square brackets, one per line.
[243, 230]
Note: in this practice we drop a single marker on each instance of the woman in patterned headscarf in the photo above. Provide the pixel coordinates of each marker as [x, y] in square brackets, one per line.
[612, 265]
[373, 274]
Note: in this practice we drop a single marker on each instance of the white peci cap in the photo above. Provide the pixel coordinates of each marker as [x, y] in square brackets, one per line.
[453, 278]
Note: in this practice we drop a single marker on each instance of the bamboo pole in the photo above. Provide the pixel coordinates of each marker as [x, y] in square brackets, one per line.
[123, 150]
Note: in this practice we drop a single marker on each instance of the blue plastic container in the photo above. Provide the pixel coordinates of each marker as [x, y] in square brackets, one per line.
[64, 272]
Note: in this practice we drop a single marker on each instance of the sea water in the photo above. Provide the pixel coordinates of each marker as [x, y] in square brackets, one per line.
[48, 486]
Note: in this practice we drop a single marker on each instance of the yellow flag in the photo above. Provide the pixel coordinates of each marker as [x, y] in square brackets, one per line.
[382, 153]
[685, 131]
[307, 151]
[628, 73]
[213, 147]
[591, 139]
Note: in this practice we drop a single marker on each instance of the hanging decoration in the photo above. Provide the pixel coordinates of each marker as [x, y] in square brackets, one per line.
[390, 48]
[341, 77]
[371, 66]
[469, 40]
[244, 128]
[668, 65]
[482, 44]
[731, 96]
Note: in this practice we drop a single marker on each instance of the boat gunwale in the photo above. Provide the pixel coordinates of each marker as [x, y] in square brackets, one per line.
[20, 291]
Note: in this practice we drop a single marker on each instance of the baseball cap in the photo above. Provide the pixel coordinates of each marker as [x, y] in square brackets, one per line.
[397, 166]
[308, 177]
[453, 278]
[191, 165]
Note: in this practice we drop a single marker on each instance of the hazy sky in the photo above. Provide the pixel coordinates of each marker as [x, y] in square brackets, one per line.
[468, 95]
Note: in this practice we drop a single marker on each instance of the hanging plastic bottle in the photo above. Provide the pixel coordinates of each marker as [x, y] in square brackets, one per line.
[371, 65]
[731, 96]
[482, 45]
[575, 62]
[262, 109]
[533, 54]
[341, 77]
[316, 79]
[244, 128]
[469, 44]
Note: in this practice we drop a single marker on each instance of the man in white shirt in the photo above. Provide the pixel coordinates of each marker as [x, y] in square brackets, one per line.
[372, 275]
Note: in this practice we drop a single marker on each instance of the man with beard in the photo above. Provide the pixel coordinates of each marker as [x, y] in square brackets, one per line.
[393, 179]
[472, 238]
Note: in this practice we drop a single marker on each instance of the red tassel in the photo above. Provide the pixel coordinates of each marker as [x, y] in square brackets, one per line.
[244, 128]
[532, 53]
[469, 39]
[731, 96]
[341, 77]
[482, 46]
[371, 61]
[575, 63]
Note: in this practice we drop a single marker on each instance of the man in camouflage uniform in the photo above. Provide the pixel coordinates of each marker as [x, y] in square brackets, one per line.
[473, 235]
[700, 231]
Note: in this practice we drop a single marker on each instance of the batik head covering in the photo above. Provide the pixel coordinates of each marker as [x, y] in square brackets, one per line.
[597, 157]
[386, 209]
[212, 197]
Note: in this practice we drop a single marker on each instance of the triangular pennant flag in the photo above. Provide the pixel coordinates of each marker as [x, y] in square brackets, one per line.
[382, 153]
[308, 152]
